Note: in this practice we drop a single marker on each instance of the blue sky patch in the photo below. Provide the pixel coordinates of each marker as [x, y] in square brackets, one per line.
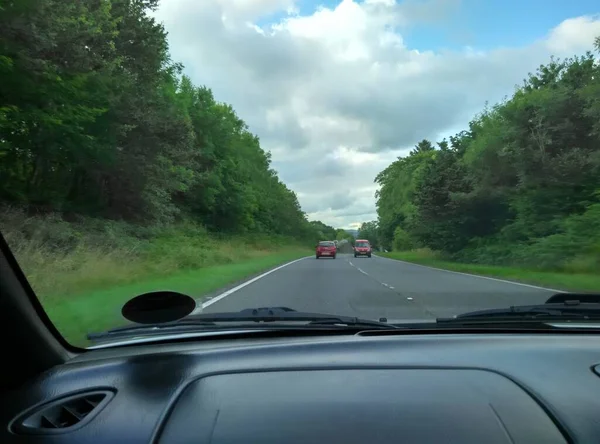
[480, 24]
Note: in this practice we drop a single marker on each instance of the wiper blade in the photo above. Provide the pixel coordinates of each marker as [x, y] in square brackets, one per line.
[147, 328]
[274, 314]
[568, 310]
[260, 316]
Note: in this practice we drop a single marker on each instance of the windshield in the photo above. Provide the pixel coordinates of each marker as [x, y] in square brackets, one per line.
[163, 145]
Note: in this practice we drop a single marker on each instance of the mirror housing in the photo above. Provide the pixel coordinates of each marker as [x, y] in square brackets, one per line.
[157, 307]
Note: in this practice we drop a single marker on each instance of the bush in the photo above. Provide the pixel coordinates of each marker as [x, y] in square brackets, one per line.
[402, 240]
[575, 249]
[64, 258]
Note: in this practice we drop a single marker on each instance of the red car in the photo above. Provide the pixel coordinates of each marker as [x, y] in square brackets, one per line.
[326, 249]
[362, 247]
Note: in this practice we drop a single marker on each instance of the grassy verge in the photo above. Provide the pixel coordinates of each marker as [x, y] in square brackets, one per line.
[99, 310]
[84, 270]
[558, 280]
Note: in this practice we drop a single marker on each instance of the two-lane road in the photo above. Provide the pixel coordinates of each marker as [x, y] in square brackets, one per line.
[373, 288]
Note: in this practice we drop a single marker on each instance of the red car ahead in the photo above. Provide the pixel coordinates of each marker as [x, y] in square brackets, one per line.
[362, 247]
[326, 249]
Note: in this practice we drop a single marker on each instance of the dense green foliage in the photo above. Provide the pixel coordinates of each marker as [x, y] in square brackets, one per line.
[97, 120]
[341, 234]
[322, 231]
[69, 260]
[521, 186]
[369, 231]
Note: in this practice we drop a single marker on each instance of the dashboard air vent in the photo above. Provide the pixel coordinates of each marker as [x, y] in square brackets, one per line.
[64, 414]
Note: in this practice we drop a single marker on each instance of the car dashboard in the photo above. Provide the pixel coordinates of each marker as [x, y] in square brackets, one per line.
[365, 388]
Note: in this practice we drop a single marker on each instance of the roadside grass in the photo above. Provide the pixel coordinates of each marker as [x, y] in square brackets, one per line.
[584, 282]
[84, 271]
[78, 314]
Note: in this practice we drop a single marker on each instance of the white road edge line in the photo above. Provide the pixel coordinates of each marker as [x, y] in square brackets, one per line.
[476, 275]
[199, 308]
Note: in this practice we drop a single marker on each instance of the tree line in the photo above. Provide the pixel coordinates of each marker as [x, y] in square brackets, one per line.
[96, 119]
[520, 186]
[370, 232]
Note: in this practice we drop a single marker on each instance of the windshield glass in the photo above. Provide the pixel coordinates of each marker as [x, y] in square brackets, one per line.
[207, 147]
[326, 244]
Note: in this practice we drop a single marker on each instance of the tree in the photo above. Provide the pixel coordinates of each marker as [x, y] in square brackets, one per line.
[341, 234]
[510, 188]
[97, 120]
[322, 231]
[368, 231]
[395, 198]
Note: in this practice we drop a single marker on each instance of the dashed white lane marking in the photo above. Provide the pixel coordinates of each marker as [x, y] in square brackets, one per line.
[473, 275]
[409, 298]
[242, 285]
[367, 274]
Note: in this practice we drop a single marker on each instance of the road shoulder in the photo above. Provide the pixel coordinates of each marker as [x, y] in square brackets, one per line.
[213, 296]
[551, 281]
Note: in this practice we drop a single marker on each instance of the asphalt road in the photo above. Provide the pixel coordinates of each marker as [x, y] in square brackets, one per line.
[375, 287]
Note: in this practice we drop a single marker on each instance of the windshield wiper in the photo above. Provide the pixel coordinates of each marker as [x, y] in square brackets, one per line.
[562, 312]
[254, 316]
[127, 330]
[273, 314]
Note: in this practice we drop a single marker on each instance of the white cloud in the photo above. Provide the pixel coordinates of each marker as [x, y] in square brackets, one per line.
[337, 95]
[242, 10]
[574, 33]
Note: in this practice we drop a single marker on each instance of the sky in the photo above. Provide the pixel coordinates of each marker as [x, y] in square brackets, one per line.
[336, 90]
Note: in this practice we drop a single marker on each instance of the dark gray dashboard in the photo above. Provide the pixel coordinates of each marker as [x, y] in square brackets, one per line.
[463, 388]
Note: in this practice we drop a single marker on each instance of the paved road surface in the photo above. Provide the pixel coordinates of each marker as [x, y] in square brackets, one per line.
[376, 287]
